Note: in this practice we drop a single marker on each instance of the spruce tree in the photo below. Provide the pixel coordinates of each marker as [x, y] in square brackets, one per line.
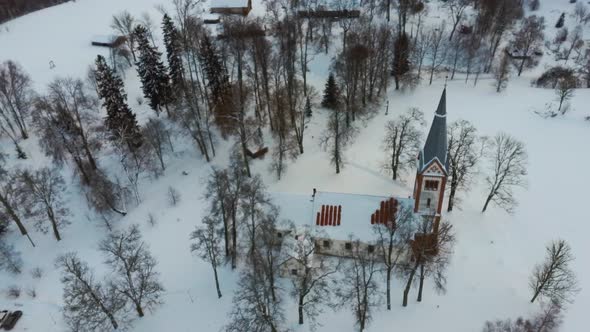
[173, 52]
[152, 72]
[120, 119]
[308, 111]
[217, 78]
[331, 94]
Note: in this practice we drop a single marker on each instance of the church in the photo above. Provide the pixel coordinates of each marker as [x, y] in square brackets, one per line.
[344, 217]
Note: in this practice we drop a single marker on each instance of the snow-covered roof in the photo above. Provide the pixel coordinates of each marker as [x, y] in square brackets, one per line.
[229, 3]
[104, 39]
[353, 211]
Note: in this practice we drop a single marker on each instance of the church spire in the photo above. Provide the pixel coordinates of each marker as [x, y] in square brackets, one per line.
[435, 147]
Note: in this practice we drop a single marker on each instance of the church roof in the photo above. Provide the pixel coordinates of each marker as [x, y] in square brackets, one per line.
[436, 142]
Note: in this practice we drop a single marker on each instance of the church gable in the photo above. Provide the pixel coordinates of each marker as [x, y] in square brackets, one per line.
[435, 169]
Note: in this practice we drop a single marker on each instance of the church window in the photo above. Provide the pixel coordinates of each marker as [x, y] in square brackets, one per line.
[431, 185]
[428, 202]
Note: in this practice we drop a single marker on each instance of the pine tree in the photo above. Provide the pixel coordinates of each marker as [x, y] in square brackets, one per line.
[173, 51]
[120, 119]
[308, 111]
[154, 78]
[401, 64]
[331, 94]
[217, 78]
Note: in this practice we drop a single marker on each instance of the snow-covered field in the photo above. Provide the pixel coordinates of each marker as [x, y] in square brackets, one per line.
[495, 252]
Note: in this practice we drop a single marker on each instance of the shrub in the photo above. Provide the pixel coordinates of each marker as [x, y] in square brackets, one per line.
[13, 292]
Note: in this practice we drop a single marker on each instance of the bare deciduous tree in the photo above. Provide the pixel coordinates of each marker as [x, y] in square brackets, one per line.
[392, 241]
[42, 196]
[358, 288]
[312, 285]
[509, 160]
[10, 198]
[554, 279]
[253, 306]
[529, 37]
[502, 73]
[207, 245]
[89, 305]
[456, 9]
[402, 141]
[124, 23]
[548, 319]
[157, 136]
[134, 267]
[336, 137]
[463, 155]
[564, 91]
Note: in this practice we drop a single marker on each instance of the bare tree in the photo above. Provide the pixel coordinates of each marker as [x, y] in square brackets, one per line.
[564, 91]
[392, 241]
[10, 259]
[42, 196]
[134, 267]
[157, 136]
[576, 40]
[430, 252]
[254, 202]
[456, 9]
[509, 160]
[312, 287]
[89, 305]
[581, 13]
[502, 73]
[207, 245]
[16, 97]
[529, 37]
[217, 193]
[402, 141]
[437, 50]
[68, 122]
[253, 306]
[10, 199]
[554, 278]
[124, 23]
[336, 137]
[463, 155]
[358, 288]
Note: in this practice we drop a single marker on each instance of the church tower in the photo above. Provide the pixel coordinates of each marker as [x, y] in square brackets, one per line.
[432, 172]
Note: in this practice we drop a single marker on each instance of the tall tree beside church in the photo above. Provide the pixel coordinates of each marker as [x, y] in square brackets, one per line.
[173, 53]
[152, 72]
[120, 119]
[331, 94]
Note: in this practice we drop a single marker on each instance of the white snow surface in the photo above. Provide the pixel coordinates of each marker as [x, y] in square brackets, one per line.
[495, 252]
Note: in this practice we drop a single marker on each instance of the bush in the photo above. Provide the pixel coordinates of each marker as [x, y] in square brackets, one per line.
[32, 292]
[534, 5]
[152, 219]
[551, 77]
[37, 273]
[13, 292]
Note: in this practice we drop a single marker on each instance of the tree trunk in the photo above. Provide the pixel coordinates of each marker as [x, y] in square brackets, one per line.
[409, 283]
[53, 221]
[139, 309]
[388, 288]
[521, 67]
[488, 200]
[300, 309]
[216, 281]
[421, 286]
[451, 197]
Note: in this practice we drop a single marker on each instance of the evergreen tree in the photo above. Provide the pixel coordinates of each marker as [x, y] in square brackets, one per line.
[331, 94]
[152, 72]
[401, 64]
[308, 111]
[173, 52]
[120, 119]
[217, 78]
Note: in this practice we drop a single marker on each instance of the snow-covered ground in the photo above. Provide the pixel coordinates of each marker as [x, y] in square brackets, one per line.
[495, 252]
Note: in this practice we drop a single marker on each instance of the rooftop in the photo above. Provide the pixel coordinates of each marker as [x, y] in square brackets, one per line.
[342, 214]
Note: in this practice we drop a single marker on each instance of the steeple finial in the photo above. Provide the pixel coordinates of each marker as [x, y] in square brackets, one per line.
[446, 80]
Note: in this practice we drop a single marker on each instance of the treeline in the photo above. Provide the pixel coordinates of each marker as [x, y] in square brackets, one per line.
[10, 9]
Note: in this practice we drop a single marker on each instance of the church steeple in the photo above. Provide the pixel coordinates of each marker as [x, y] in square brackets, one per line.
[435, 147]
[431, 175]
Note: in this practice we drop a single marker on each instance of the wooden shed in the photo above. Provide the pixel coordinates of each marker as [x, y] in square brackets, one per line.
[108, 41]
[231, 7]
